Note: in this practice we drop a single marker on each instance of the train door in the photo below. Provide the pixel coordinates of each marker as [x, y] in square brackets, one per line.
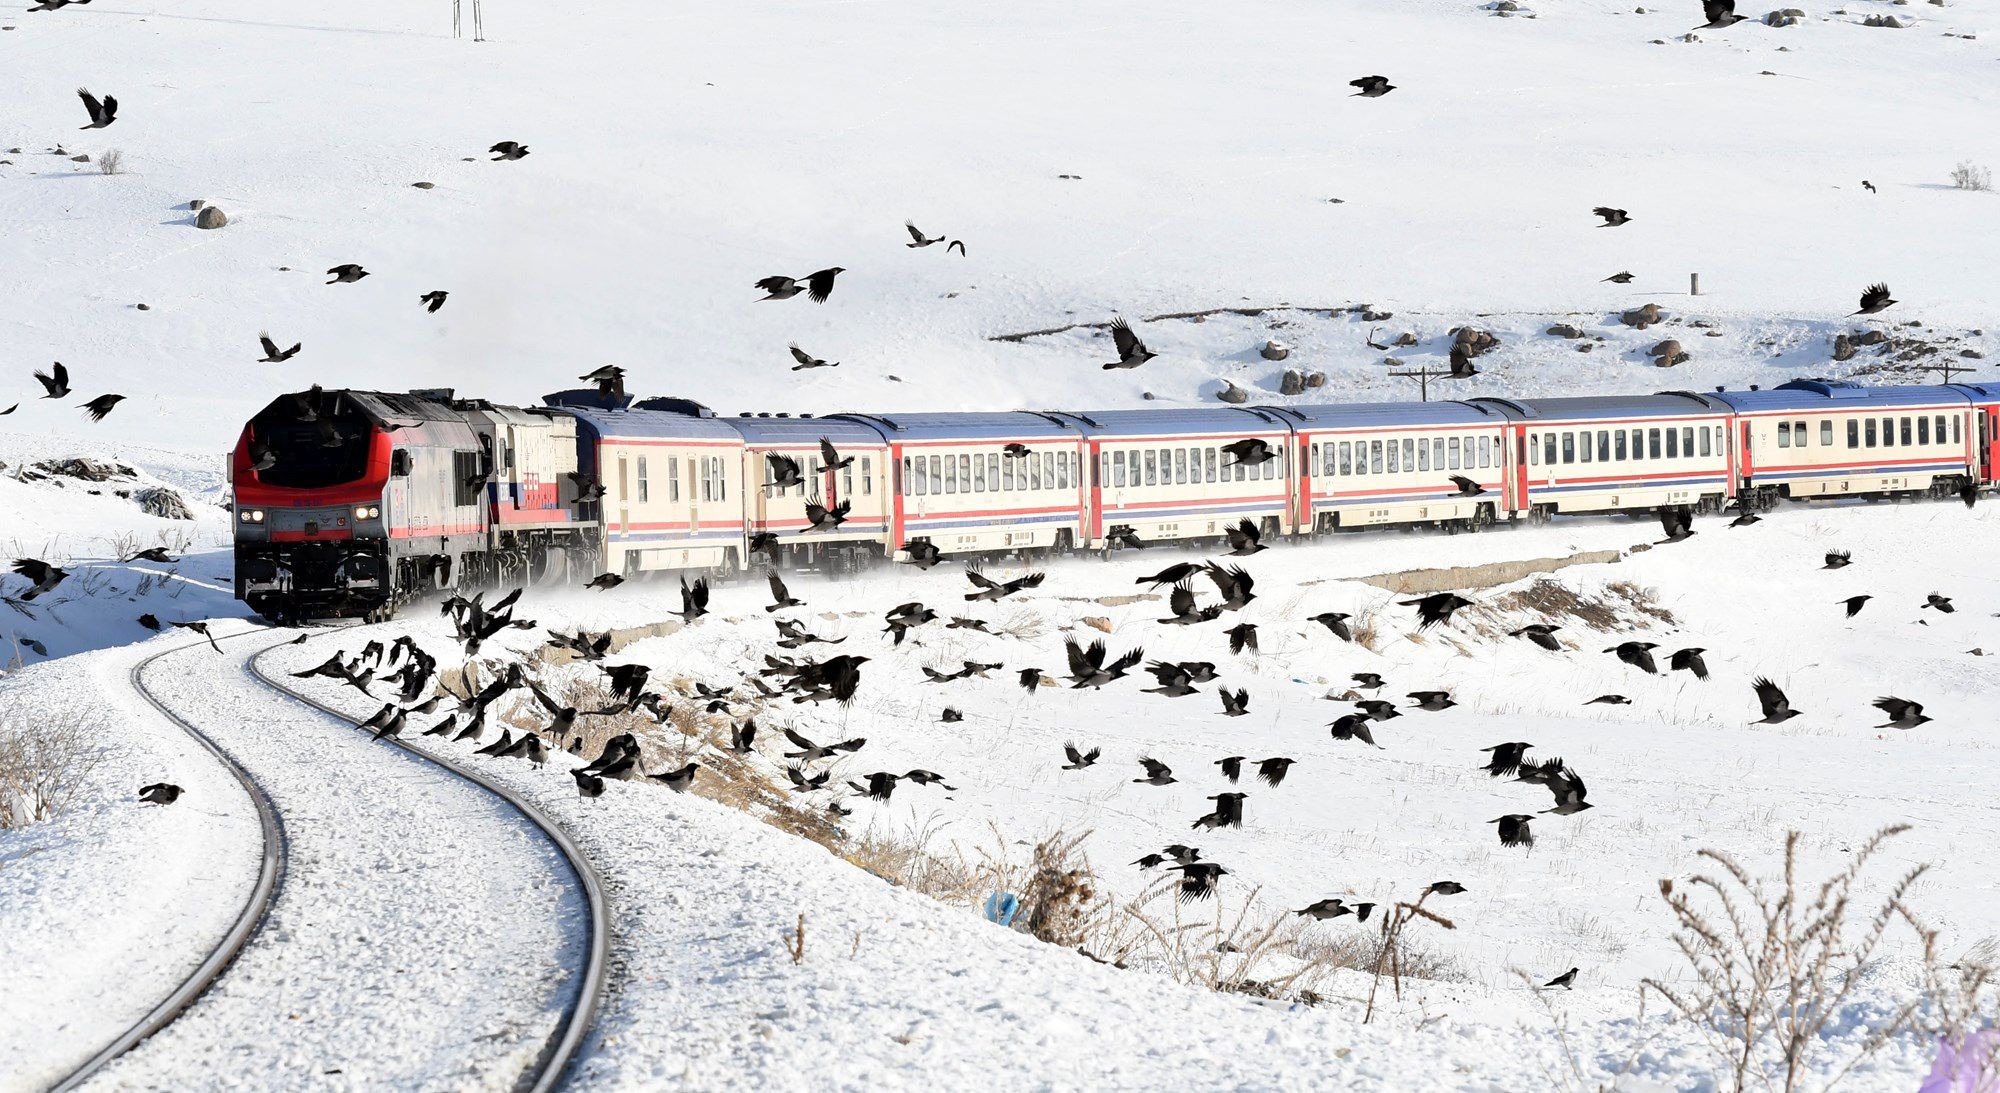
[1987, 420]
[624, 495]
[509, 470]
[1743, 447]
[1520, 476]
[1093, 494]
[697, 468]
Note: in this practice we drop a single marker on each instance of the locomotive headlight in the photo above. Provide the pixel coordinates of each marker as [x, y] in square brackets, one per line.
[251, 516]
[367, 512]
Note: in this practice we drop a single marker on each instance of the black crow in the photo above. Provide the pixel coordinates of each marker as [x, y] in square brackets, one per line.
[1838, 559]
[1367, 681]
[918, 238]
[1235, 704]
[1854, 604]
[1875, 299]
[1445, 888]
[1242, 636]
[1244, 539]
[1273, 770]
[273, 355]
[96, 408]
[742, 738]
[821, 518]
[951, 716]
[587, 785]
[1228, 812]
[1198, 880]
[1157, 773]
[811, 752]
[1565, 979]
[1175, 681]
[433, 300]
[508, 150]
[44, 576]
[1514, 830]
[1466, 486]
[1903, 714]
[803, 783]
[1088, 669]
[152, 622]
[346, 274]
[1720, 14]
[922, 553]
[694, 600]
[1371, 87]
[1016, 450]
[1173, 574]
[957, 243]
[55, 382]
[1353, 726]
[1433, 701]
[604, 581]
[153, 554]
[1232, 767]
[1677, 521]
[1941, 603]
[1324, 910]
[785, 471]
[1184, 612]
[990, 589]
[1079, 760]
[1250, 452]
[1568, 790]
[101, 113]
[1639, 654]
[202, 629]
[1689, 660]
[818, 285]
[1030, 678]
[1123, 536]
[1609, 700]
[1612, 217]
[1234, 584]
[388, 721]
[1336, 622]
[905, 617]
[1745, 520]
[961, 623]
[881, 785]
[1777, 708]
[927, 778]
[781, 597]
[1505, 758]
[677, 780]
[610, 382]
[1541, 634]
[807, 360]
[1867, 185]
[1624, 278]
[160, 793]
[830, 458]
[1131, 351]
[1378, 709]
[500, 746]
[1436, 608]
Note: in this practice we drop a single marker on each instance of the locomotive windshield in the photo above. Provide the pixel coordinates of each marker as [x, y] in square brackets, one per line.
[316, 442]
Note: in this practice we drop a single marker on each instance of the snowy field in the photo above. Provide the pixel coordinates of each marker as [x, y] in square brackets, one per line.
[1202, 170]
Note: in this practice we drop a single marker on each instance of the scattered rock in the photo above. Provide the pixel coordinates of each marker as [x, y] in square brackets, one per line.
[143, 307]
[1871, 337]
[1889, 21]
[1473, 342]
[1409, 338]
[163, 502]
[1275, 350]
[1972, 354]
[424, 185]
[1232, 394]
[1564, 330]
[1370, 315]
[1843, 347]
[1097, 622]
[1292, 383]
[1585, 347]
[1335, 201]
[88, 470]
[1641, 317]
[1780, 19]
[1315, 379]
[211, 217]
[85, 158]
[1669, 353]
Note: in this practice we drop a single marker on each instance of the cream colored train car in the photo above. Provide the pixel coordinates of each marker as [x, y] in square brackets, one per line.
[1828, 438]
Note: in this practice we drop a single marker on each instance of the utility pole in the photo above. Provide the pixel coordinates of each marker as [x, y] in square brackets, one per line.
[1694, 284]
[1948, 369]
[1423, 378]
[478, 20]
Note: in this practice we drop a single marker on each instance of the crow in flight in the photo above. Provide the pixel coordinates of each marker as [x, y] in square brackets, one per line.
[44, 575]
[807, 360]
[785, 472]
[1720, 13]
[694, 600]
[1336, 623]
[433, 300]
[272, 355]
[1432, 701]
[1903, 714]
[1131, 351]
[1505, 758]
[1233, 583]
[1173, 574]
[96, 408]
[1514, 830]
[101, 113]
[1941, 603]
[918, 238]
[1541, 634]
[1466, 486]
[1198, 880]
[1639, 654]
[994, 590]
[1437, 608]
[1242, 636]
[818, 285]
[1079, 760]
[1273, 770]
[160, 793]
[1677, 521]
[1874, 299]
[1838, 559]
[1612, 217]
[1251, 452]
[1087, 667]
[781, 598]
[346, 274]
[1371, 87]
[1245, 539]
[1777, 708]
[1157, 773]
[508, 150]
[821, 518]
[1235, 704]
[604, 581]
[1855, 603]
[1689, 660]
[1184, 612]
[1619, 278]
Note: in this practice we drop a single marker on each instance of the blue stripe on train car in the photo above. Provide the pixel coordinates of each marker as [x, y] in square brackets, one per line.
[1781, 472]
[1679, 480]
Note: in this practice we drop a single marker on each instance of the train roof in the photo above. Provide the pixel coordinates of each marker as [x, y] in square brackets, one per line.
[976, 425]
[648, 423]
[1604, 407]
[1816, 394]
[1980, 392]
[1179, 421]
[397, 406]
[1357, 415]
[804, 431]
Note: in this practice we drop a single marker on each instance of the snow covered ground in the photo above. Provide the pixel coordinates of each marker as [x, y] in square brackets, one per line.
[679, 153]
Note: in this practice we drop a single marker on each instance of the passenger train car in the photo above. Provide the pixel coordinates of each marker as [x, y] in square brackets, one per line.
[350, 502]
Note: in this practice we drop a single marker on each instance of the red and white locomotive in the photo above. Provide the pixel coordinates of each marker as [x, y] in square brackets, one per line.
[350, 502]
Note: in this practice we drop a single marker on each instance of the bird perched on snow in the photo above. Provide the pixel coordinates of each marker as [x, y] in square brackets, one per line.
[346, 274]
[1612, 217]
[807, 360]
[1371, 87]
[160, 793]
[677, 780]
[1620, 278]
[55, 381]
[1437, 608]
[1689, 660]
[101, 113]
[1838, 559]
[433, 300]
[1639, 654]
[96, 408]
[818, 285]
[588, 786]
[1565, 979]
[272, 355]
[604, 581]
[1514, 830]
[1079, 760]
[1777, 708]
[1874, 299]
[508, 150]
[1903, 714]
[1720, 13]
[1131, 351]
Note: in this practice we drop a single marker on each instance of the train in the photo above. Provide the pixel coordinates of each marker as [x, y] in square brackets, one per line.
[353, 503]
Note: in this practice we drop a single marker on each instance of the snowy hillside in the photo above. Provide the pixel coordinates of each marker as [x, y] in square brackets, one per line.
[677, 154]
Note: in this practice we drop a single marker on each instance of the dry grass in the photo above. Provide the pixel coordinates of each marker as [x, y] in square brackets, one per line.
[42, 764]
[1971, 176]
[1774, 962]
[111, 162]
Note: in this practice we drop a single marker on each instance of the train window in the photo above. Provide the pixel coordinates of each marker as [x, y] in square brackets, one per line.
[1569, 447]
[1604, 445]
[1375, 457]
[1534, 450]
[1395, 463]
[979, 474]
[1117, 469]
[1067, 463]
[1652, 444]
[937, 475]
[1687, 438]
[643, 492]
[847, 480]
[1870, 430]
[965, 474]
[1549, 448]
[1906, 431]
[1272, 466]
[1619, 435]
[1452, 454]
[1705, 442]
[1409, 455]
[1152, 467]
[1853, 433]
[1180, 466]
[1825, 436]
[1799, 436]
[1955, 429]
[1239, 473]
[1673, 445]
[950, 475]
[1923, 430]
[910, 486]
[1424, 456]
[1888, 432]
[1208, 463]
[1583, 447]
[673, 478]
[993, 473]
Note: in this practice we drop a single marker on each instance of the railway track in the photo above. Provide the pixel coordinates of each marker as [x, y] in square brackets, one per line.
[583, 986]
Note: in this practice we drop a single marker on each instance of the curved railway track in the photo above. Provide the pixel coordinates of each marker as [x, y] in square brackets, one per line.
[565, 1040]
